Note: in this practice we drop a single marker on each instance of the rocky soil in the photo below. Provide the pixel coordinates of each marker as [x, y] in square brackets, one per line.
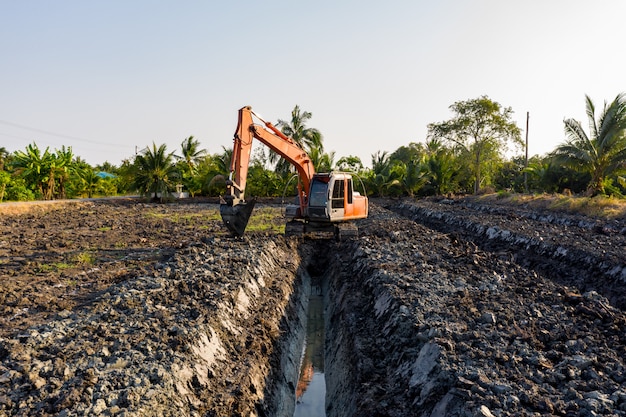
[446, 308]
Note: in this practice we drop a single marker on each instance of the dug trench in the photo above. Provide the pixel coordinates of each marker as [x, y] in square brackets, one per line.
[418, 322]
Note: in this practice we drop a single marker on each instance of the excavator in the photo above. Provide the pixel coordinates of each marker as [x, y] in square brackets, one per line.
[325, 201]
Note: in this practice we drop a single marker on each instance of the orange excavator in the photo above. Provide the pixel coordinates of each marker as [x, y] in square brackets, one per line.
[325, 202]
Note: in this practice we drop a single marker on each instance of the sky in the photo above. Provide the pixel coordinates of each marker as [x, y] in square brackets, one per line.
[108, 78]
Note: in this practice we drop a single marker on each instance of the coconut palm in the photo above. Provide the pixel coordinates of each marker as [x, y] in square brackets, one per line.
[155, 172]
[380, 177]
[188, 163]
[602, 153]
[192, 153]
[307, 138]
[90, 181]
[441, 167]
[322, 161]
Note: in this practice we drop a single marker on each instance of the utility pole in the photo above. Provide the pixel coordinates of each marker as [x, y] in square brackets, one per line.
[526, 160]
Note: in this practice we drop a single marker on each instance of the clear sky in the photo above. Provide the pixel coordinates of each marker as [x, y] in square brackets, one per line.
[108, 77]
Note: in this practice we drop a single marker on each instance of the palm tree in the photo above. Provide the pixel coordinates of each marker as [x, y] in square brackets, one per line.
[381, 176]
[441, 167]
[602, 154]
[192, 156]
[91, 181]
[307, 138]
[155, 171]
[191, 153]
[322, 161]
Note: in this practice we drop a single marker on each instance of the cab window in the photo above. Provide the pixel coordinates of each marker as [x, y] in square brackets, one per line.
[319, 194]
[338, 193]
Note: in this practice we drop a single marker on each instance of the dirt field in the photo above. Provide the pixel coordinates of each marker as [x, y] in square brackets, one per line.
[58, 256]
[439, 308]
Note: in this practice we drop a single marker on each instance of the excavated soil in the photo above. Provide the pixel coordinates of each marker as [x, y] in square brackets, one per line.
[439, 308]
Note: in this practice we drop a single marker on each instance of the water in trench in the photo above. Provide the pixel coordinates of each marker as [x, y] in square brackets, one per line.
[311, 388]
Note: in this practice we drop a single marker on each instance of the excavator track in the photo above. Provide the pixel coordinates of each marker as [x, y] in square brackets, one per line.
[345, 231]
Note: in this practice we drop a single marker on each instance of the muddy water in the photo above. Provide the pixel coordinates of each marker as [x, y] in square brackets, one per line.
[311, 388]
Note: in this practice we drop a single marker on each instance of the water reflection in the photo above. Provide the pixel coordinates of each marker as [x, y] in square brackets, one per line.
[311, 388]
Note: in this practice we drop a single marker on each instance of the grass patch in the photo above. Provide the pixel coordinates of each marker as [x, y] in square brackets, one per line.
[85, 258]
[187, 218]
[600, 207]
[267, 219]
[53, 267]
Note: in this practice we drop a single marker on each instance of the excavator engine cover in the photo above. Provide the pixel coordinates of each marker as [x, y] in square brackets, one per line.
[236, 216]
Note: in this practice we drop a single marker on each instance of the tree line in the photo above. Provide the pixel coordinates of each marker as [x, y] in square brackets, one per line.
[461, 155]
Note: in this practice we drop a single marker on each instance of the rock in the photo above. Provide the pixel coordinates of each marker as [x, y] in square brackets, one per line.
[99, 407]
[488, 318]
[484, 411]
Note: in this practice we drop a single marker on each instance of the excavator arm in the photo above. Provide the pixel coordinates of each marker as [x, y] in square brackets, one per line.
[234, 209]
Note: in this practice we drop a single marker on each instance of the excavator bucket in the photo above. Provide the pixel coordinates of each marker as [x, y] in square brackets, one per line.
[236, 216]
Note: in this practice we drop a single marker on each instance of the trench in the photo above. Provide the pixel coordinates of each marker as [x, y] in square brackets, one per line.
[307, 342]
[311, 386]
[323, 357]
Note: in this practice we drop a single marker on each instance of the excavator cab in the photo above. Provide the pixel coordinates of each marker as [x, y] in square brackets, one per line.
[332, 199]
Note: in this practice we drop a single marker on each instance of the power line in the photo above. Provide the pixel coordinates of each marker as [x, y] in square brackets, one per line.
[46, 132]
[8, 135]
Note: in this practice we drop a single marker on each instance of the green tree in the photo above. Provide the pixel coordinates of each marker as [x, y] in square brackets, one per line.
[602, 153]
[212, 172]
[481, 128]
[412, 152]
[125, 180]
[350, 163]
[4, 154]
[5, 179]
[510, 175]
[63, 168]
[17, 190]
[155, 172]
[106, 166]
